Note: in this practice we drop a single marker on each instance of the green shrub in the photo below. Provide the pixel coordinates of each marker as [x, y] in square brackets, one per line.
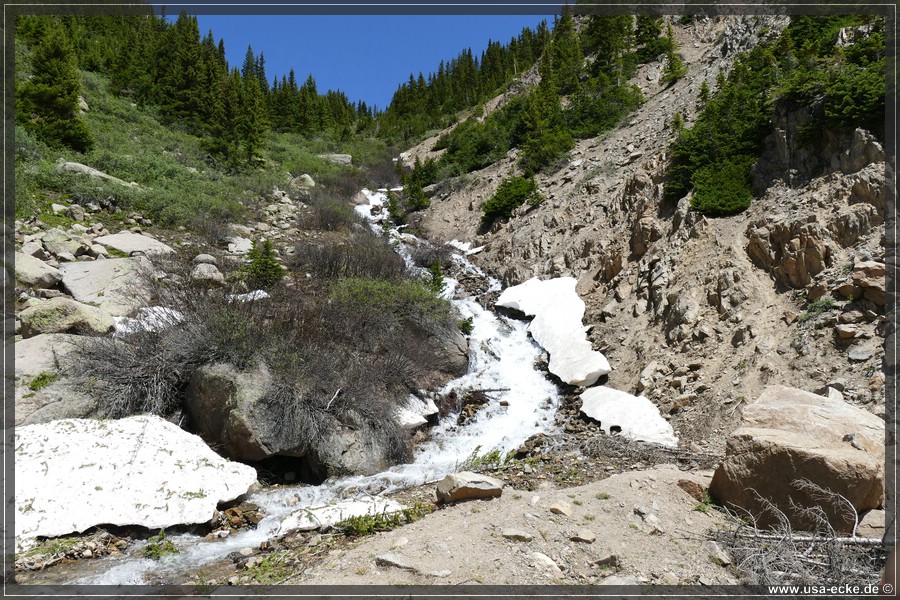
[511, 193]
[723, 189]
[816, 308]
[466, 326]
[394, 300]
[545, 148]
[158, 546]
[42, 380]
[263, 270]
[435, 281]
[331, 214]
[362, 254]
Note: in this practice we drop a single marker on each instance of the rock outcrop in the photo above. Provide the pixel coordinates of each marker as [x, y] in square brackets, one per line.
[787, 435]
[46, 357]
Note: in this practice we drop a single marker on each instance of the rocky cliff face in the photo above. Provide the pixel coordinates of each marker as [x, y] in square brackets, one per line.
[700, 314]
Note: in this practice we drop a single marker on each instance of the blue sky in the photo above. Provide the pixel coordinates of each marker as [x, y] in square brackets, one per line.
[365, 56]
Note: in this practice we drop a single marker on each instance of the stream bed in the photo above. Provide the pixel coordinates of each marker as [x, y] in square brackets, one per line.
[502, 358]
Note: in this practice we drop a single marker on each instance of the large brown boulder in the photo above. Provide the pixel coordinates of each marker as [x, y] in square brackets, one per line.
[788, 435]
[241, 414]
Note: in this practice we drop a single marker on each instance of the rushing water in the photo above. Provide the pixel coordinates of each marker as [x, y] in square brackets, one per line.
[502, 356]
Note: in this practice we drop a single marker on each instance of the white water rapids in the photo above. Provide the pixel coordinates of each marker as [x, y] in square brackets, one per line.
[502, 356]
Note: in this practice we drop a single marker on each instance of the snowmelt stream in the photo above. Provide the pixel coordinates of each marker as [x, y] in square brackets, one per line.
[502, 356]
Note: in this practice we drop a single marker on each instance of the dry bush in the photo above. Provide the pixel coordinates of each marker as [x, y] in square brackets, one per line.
[362, 254]
[425, 254]
[780, 555]
[346, 354]
[330, 213]
[633, 451]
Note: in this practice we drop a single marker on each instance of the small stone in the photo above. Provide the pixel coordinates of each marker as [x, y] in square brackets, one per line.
[561, 508]
[653, 521]
[693, 489]
[517, 535]
[400, 543]
[585, 535]
[846, 331]
[87, 554]
[610, 560]
[716, 554]
[860, 354]
[246, 551]
[393, 560]
[669, 578]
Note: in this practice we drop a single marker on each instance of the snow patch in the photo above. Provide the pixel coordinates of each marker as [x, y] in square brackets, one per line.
[317, 517]
[635, 416]
[557, 327]
[153, 318]
[72, 474]
[249, 296]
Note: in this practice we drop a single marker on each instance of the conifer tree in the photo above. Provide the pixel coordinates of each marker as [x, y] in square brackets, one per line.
[675, 68]
[47, 103]
[253, 123]
[562, 61]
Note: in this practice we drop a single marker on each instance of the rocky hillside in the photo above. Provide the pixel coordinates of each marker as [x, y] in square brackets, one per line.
[696, 313]
[722, 323]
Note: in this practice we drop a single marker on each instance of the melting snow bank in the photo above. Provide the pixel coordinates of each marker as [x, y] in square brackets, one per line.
[320, 516]
[72, 474]
[635, 416]
[557, 327]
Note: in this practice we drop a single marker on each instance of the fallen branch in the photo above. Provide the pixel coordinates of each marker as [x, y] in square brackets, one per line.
[856, 541]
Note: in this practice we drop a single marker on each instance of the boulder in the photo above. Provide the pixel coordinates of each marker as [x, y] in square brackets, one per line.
[56, 241]
[787, 435]
[204, 259]
[112, 284]
[467, 486]
[74, 167]
[558, 328]
[347, 447]
[338, 159]
[62, 314]
[303, 182]
[35, 273]
[49, 354]
[128, 242]
[207, 273]
[73, 474]
[238, 245]
[635, 417]
[233, 410]
[221, 402]
[42, 353]
[61, 399]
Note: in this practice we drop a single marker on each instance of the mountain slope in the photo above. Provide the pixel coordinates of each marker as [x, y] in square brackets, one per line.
[700, 313]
